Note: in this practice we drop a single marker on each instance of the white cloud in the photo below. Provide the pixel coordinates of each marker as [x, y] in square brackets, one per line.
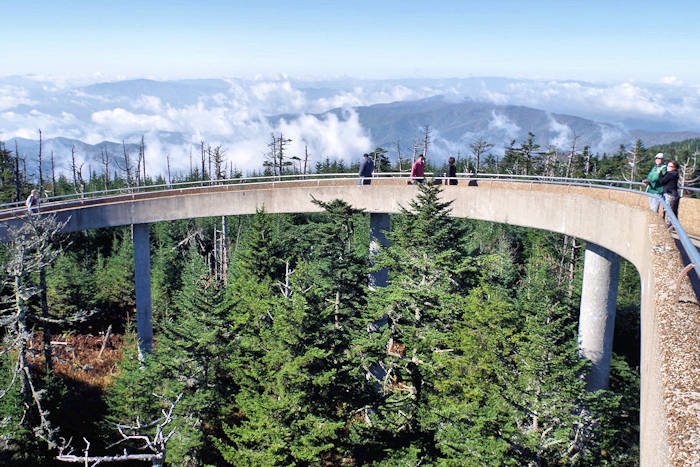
[609, 135]
[362, 96]
[148, 103]
[671, 81]
[26, 125]
[327, 137]
[504, 124]
[563, 133]
[121, 121]
[12, 96]
[280, 97]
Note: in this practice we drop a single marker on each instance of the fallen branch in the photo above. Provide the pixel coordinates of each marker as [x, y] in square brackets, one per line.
[104, 341]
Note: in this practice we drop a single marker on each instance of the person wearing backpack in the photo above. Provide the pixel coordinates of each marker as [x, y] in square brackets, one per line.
[33, 202]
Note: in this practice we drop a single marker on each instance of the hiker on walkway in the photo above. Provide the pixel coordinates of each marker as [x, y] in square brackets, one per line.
[366, 170]
[451, 171]
[33, 202]
[652, 181]
[669, 185]
[418, 170]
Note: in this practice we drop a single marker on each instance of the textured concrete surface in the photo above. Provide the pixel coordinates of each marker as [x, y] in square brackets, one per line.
[601, 271]
[616, 220]
[142, 281]
[379, 225]
[676, 330]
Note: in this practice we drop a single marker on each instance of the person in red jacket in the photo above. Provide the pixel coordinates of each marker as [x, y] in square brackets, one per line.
[418, 170]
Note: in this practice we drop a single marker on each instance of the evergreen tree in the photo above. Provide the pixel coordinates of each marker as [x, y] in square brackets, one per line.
[114, 276]
[261, 253]
[71, 288]
[429, 270]
[166, 267]
[131, 393]
[297, 383]
[191, 347]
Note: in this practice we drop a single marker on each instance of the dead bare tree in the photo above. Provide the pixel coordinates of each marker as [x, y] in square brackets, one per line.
[586, 160]
[218, 154]
[53, 176]
[41, 169]
[18, 183]
[203, 154]
[479, 147]
[142, 151]
[80, 179]
[426, 140]
[75, 181]
[306, 157]
[550, 160]
[572, 155]
[633, 156]
[105, 164]
[127, 167]
[167, 160]
[211, 174]
[32, 246]
[398, 155]
[156, 443]
[688, 169]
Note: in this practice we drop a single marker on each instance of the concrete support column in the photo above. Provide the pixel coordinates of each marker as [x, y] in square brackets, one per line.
[601, 271]
[379, 223]
[142, 276]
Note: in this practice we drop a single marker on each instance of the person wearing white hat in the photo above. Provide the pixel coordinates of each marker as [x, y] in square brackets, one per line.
[652, 181]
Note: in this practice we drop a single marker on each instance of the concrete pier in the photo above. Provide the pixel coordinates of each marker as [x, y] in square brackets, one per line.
[142, 278]
[379, 223]
[601, 271]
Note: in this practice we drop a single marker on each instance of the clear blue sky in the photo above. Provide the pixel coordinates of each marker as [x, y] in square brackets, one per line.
[592, 40]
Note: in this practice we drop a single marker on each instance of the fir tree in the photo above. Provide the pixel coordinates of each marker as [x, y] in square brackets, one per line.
[114, 276]
[191, 346]
[429, 270]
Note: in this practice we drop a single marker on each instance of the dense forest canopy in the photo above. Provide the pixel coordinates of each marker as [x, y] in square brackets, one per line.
[270, 348]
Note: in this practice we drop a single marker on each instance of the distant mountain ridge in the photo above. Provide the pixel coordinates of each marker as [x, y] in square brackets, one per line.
[456, 124]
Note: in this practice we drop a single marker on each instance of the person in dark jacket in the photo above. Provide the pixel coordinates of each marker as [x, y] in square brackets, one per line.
[669, 181]
[366, 170]
[451, 171]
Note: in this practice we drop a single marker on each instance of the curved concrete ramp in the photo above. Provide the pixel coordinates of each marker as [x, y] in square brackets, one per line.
[617, 220]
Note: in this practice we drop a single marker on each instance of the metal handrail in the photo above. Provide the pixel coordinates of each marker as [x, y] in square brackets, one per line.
[226, 181]
[686, 243]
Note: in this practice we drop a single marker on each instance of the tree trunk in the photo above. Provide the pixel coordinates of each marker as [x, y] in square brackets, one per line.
[17, 177]
[41, 172]
[48, 355]
[75, 175]
[224, 251]
[53, 176]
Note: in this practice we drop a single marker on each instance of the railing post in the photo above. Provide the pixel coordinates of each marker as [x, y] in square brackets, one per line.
[142, 278]
[601, 271]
